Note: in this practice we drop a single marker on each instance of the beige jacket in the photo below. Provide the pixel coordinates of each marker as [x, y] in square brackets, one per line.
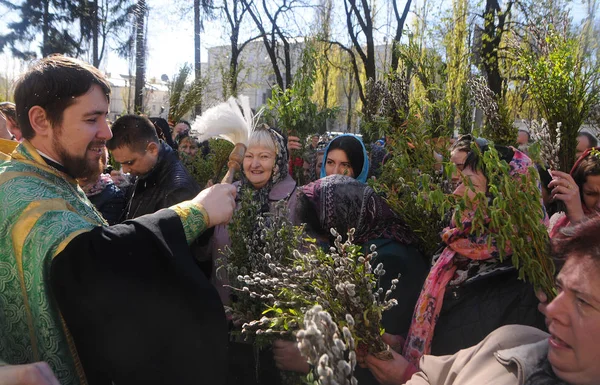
[502, 358]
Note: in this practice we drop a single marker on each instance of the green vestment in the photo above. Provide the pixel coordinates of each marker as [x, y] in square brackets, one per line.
[41, 211]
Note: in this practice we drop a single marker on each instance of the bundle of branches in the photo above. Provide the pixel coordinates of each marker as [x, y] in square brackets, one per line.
[509, 215]
[211, 167]
[341, 281]
[278, 274]
[329, 351]
[183, 97]
[545, 151]
[411, 168]
[386, 106]
[258, 240]
[499, 127]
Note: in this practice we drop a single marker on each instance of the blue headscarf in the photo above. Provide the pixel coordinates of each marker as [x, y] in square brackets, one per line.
[362, 177]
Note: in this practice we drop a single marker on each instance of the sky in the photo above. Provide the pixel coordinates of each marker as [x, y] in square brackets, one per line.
[171, 38]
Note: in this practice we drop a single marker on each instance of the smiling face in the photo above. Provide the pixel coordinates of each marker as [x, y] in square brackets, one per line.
[258, 165]
[337, 162]
[79, 141]
[573, 319]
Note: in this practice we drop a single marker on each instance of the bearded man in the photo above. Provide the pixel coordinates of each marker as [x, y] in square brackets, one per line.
[123, 304]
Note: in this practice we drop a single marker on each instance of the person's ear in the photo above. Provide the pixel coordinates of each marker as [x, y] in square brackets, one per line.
[153, 149]
[39, 121]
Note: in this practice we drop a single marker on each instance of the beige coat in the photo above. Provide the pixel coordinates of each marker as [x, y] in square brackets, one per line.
[502, 358]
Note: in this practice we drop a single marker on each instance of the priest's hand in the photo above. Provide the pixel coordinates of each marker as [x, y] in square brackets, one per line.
[38, 373]
[219, 203]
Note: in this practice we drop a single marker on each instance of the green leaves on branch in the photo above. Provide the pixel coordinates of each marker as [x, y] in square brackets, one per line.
[183, 97]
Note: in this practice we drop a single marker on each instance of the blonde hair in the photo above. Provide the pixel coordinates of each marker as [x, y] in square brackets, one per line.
[262, 138]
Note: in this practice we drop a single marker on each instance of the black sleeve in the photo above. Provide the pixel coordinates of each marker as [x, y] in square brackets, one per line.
[177, 196]
[138, 307]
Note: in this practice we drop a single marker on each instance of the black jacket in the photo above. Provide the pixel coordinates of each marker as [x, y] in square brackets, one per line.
[167, 184]
[470, 312]
[110, 202]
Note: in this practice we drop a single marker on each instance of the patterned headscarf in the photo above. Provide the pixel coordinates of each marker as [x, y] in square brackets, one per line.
[464, 257]
[342, 202]
[279, 173]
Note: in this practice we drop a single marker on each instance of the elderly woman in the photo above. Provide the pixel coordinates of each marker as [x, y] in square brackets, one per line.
[469, 291]
[579, 190]
[265, 174]
[346, 155]
[521, 355]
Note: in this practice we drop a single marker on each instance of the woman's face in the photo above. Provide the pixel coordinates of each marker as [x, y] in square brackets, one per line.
[258, 165]
[478, 180]
[188, 146]
[573, 320]
[591, 193]
[337, 162]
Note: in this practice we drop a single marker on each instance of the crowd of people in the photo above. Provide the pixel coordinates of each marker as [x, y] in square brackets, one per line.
[111, 276]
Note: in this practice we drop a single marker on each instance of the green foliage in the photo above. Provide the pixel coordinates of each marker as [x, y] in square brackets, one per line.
[412, 169]
[500, 217]
[292, 109]
[429, 77]
[183, 97]
[213, 166]
[564, 83]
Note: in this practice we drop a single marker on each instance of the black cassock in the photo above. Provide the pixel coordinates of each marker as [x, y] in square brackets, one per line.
[138, 306]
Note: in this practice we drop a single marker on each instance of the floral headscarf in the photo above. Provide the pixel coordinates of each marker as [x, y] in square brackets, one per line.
[279, 173]
[342, 202]
[465, 257]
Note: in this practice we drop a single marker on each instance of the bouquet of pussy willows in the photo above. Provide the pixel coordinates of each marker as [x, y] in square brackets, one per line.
[285, 274]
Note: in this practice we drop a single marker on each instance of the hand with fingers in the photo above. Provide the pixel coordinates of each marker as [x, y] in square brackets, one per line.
[564, 188]
[293, 143]
[219, 203]
[390, 372]
[38, 373]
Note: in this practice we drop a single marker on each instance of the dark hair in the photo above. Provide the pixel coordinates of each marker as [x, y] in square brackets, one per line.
[133, 131]
[164, 131]
[589, 165]
[463, 143]
[353, 149]
[186, 123]
[53, 83]
[10, 112]
[474, 161]
[593, 142]
[579, 240]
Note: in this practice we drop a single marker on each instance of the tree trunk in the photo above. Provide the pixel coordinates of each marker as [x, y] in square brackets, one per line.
[46, 50]
[95, 32]
[140, 57]
[400, 19]
[197, 61]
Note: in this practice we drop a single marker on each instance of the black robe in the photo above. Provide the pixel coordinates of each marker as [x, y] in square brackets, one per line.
[139, 308]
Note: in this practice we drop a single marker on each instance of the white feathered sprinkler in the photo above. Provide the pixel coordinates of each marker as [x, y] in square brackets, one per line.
[232, 121]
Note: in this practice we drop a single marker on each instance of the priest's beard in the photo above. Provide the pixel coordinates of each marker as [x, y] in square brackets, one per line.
[79, 166]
